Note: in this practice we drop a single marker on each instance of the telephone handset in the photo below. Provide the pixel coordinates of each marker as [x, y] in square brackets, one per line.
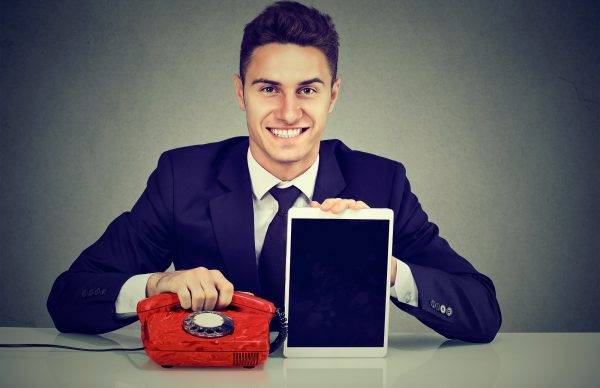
[235, 336]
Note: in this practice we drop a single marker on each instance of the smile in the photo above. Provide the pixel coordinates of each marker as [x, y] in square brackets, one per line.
[287, 133]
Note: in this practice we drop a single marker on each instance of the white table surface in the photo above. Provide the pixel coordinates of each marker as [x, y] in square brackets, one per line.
[565, 360]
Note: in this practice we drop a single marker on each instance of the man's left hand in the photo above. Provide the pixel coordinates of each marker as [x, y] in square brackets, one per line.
[337, 205]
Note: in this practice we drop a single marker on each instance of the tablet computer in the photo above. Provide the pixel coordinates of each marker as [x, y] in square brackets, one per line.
[337, 282]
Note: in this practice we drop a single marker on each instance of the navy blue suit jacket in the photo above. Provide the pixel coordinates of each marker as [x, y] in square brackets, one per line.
[197, 211]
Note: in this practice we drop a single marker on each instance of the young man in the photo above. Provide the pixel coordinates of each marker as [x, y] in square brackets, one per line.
[210, 208]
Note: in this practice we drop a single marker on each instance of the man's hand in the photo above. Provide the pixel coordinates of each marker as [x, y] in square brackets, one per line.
[394, 268]
[198, 288]
[337, 205]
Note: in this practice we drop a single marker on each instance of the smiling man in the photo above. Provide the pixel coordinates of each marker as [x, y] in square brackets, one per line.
[288, 94]
[211, 209]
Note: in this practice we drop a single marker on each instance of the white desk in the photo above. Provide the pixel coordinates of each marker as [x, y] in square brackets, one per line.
[413, 360]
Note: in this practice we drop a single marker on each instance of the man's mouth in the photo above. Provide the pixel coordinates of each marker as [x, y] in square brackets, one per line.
[287, 133]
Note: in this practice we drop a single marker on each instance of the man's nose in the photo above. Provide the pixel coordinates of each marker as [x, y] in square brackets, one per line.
[290, 110]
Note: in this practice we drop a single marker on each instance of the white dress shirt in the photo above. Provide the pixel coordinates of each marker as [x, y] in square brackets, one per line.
[265, 207]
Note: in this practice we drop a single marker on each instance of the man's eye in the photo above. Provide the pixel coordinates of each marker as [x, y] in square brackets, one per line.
[268, 89]
[307, 91]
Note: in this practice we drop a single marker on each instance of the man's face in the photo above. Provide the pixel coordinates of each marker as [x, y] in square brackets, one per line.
[287, 97]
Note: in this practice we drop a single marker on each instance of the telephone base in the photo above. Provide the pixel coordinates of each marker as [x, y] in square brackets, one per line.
[169, 359]
[173, 336]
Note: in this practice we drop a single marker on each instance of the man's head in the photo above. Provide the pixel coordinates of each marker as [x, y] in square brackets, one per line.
[291, 22]
[287, 85]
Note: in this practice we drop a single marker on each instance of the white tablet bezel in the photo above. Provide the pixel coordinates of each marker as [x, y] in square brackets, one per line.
[316, 213]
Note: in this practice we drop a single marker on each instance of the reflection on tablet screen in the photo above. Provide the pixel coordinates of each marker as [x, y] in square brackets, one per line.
[338, 282]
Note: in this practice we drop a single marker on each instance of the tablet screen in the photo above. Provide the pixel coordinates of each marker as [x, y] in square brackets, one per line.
[338, 282]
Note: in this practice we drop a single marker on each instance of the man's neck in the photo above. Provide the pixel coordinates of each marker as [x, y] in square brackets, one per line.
[284, 171]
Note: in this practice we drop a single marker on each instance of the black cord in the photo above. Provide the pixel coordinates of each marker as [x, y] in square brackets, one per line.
[283, 331]
[69, 347]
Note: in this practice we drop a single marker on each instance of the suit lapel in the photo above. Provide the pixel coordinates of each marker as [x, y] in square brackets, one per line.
[233, 215]
[330, 181]
[233, 220]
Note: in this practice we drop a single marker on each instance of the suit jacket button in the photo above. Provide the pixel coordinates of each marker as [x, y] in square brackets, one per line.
[449, 311]
[103, 292]
[443, 309]
[84, 293]
[432, 303]
[437, 306]
[97, 291]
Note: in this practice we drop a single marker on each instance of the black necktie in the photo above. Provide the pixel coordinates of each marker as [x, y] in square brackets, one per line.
[271, 263]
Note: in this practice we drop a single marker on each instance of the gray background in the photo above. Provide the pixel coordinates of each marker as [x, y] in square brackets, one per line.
[493, 107]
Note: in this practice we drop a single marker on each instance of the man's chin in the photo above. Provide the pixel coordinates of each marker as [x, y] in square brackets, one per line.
[286, 159]
[285, 156]
[290, 157]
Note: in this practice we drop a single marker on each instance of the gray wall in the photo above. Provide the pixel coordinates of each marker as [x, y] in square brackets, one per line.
[493, 107]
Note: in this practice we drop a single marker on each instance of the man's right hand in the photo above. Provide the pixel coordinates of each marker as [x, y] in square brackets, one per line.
[198, 288]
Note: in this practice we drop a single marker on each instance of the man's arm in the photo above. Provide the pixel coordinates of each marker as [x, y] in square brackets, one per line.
[83, 297]
[454, 299]
[401, 279]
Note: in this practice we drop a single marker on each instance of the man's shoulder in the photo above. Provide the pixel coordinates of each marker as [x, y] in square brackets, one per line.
[206, 153]
[347, 157]
[368, 177]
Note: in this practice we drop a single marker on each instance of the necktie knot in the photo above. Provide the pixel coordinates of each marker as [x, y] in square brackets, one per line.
[285, 197]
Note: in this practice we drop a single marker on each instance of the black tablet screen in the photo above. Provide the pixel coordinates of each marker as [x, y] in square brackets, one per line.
[338, 281]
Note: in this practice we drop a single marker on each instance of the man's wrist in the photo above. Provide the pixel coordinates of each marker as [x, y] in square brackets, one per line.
[405, 287]
[151, 289]
[132, 291]
[393, 271]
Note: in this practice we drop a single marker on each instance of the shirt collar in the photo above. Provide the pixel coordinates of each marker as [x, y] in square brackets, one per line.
[263, 181]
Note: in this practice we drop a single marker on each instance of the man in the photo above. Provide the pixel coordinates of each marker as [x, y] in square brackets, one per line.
[208, 208]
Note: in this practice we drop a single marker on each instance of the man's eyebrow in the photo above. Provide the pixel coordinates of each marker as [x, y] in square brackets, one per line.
[312, 81]
[265, 81]
[276, 83]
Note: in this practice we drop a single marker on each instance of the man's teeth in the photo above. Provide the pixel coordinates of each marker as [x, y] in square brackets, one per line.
[286, 133]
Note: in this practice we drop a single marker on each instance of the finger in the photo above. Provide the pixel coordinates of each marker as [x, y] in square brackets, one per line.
[185, 300]
[192, 281]
[224, 288]
[315, 204]
[341, 205]
[328, 203]
[197, 293]
[198, 296]
[207, 283]
[358, 205]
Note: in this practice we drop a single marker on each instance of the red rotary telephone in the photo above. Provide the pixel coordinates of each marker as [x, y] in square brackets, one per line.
[235, 336]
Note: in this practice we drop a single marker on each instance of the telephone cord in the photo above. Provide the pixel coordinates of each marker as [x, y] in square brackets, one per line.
[279, 314]
[283, 331]
[69, 347]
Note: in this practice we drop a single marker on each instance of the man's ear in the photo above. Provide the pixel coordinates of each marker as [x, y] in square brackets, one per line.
[335, 91]
[239, 91]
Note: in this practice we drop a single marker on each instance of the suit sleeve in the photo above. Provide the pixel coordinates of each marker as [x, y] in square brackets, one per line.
[82, 298]
[454, 299]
